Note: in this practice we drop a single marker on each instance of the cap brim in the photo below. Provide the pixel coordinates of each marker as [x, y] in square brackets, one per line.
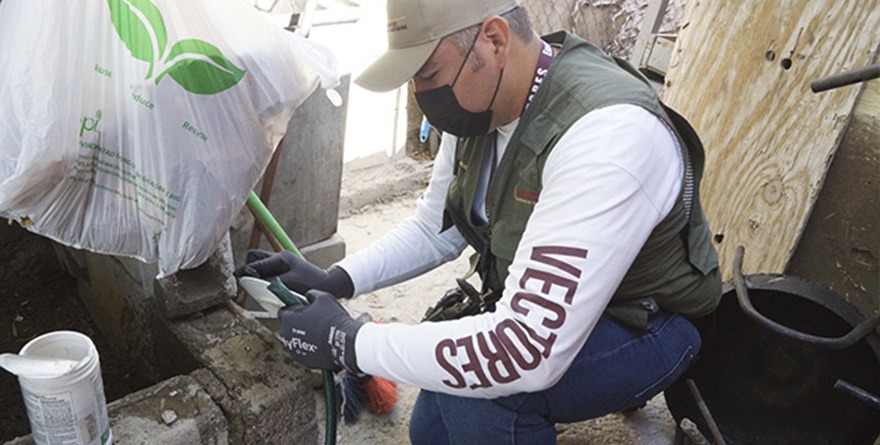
[395, 67]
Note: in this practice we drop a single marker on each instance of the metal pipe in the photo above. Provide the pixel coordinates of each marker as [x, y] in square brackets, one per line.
[859, 393]
[846, 78]
[704, 411]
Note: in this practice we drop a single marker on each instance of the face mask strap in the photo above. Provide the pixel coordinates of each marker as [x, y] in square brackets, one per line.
[463, 63]
[497, 86]
[469, 51]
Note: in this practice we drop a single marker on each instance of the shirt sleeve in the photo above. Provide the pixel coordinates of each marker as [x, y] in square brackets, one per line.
[608, 182]
[416, 245]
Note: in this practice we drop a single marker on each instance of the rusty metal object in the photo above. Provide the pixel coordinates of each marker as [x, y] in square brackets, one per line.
[259, 225]
[857, 333]
[265, 194]
[704, 411]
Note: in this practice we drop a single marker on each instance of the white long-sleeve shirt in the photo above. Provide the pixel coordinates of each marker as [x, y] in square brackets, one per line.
[611, 178]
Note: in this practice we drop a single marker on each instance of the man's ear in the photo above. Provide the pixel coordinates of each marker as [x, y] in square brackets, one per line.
[497, 31]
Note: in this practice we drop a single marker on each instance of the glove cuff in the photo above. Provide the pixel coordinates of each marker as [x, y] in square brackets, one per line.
[338, 283]
[349, 359]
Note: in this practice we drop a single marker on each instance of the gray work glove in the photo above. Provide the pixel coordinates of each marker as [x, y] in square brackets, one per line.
[296, 273]
[321, 334]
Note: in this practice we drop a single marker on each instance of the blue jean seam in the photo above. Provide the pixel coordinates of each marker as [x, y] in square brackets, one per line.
[684, 356]
[514, 418]
[654, 333]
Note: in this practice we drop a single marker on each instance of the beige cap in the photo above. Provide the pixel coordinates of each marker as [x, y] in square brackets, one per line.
[415, 27]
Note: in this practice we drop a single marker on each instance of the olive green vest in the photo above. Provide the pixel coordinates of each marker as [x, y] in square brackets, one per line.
[677, 267]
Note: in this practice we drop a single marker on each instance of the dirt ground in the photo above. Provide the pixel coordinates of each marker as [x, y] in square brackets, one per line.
[407, 302]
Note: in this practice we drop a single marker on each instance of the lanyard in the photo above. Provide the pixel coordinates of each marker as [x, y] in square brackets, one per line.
[544, 62]
[483, 264]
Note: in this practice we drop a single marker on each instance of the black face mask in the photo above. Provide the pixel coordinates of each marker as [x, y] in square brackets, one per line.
[445, 113]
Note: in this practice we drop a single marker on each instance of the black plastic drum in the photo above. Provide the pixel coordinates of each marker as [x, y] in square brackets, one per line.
[763, 387]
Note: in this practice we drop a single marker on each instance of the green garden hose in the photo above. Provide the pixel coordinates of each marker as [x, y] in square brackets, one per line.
[277, 287]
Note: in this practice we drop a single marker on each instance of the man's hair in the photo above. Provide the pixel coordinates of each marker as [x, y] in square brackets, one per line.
[517, 18]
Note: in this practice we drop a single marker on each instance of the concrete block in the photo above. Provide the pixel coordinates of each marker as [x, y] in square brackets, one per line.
[177, 411]
[266, 397]
[325, 253]
[193, 290]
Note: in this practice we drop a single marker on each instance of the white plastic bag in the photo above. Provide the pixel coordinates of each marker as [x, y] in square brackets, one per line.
[138, 127]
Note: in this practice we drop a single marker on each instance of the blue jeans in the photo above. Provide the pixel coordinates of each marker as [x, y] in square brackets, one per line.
[618, 368]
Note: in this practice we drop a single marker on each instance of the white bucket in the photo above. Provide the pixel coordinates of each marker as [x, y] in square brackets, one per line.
[69, 408]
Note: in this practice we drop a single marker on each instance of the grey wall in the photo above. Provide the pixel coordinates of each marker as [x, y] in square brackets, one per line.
[305, 195]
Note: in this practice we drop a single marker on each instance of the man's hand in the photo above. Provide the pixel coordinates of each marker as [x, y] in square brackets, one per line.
[297, 274]
[320, 335]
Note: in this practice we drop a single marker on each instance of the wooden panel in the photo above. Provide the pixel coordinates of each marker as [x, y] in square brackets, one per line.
[741, 73]
[840, 246]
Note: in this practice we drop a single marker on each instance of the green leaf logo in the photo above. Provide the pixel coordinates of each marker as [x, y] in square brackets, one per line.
[140, 26]
[200, 67]
[197, 66]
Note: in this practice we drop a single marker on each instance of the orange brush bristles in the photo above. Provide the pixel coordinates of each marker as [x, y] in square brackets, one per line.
[381, 394]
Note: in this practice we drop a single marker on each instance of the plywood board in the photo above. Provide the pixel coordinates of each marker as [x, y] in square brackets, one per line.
[840, 246]
[741, 74]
